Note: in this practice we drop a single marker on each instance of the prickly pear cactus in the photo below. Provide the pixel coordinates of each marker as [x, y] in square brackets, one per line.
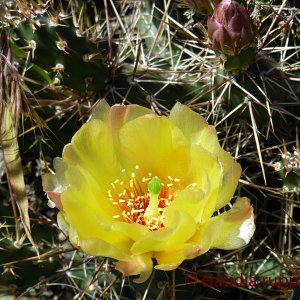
[236, 63]
[53, 51]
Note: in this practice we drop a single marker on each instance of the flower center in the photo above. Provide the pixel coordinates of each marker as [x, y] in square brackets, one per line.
[142, 199]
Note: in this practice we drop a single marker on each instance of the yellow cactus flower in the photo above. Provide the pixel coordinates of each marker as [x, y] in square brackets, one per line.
[135, 186]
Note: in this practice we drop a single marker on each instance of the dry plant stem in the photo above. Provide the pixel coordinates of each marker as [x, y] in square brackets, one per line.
[43, 256]
[10, 110]
[14, 171]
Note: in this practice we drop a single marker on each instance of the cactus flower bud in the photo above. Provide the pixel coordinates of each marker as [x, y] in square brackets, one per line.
[230, 29]
[202, 6]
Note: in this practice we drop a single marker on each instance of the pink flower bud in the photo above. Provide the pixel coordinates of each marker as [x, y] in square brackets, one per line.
[230, 29]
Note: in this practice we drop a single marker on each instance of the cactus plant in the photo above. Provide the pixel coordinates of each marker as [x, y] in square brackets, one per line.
[68, 54]
[68, 57]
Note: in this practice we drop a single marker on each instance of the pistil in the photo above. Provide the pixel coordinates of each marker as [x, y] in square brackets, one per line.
[154, 189]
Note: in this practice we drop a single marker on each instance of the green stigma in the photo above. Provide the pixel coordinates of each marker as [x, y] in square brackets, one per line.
[154, 186]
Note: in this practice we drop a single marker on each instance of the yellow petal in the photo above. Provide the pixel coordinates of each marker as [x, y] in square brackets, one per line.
[98, 247]
[203, 238]
[55, 184]
[101, 111]
[188, 121]
[95, 145]
[91, 246]
[238, 226]
[191, 201]
[62, 223]
[208, 175]
[230, 230]
[137, 264]
[167, 238]
[156, 145]
[87, 195]
[133, 231]
[169, 260]
[92, 150]
[118, 115]
[91, 220]
[198, 132]
[228, 185]
[60, 167]
[209, 140]
[122, 114]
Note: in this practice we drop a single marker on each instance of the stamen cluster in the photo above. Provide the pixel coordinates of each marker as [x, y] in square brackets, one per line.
[130, 195]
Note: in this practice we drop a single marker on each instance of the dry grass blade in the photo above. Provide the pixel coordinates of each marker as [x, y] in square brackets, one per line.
[14, 169]
[10, 109]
